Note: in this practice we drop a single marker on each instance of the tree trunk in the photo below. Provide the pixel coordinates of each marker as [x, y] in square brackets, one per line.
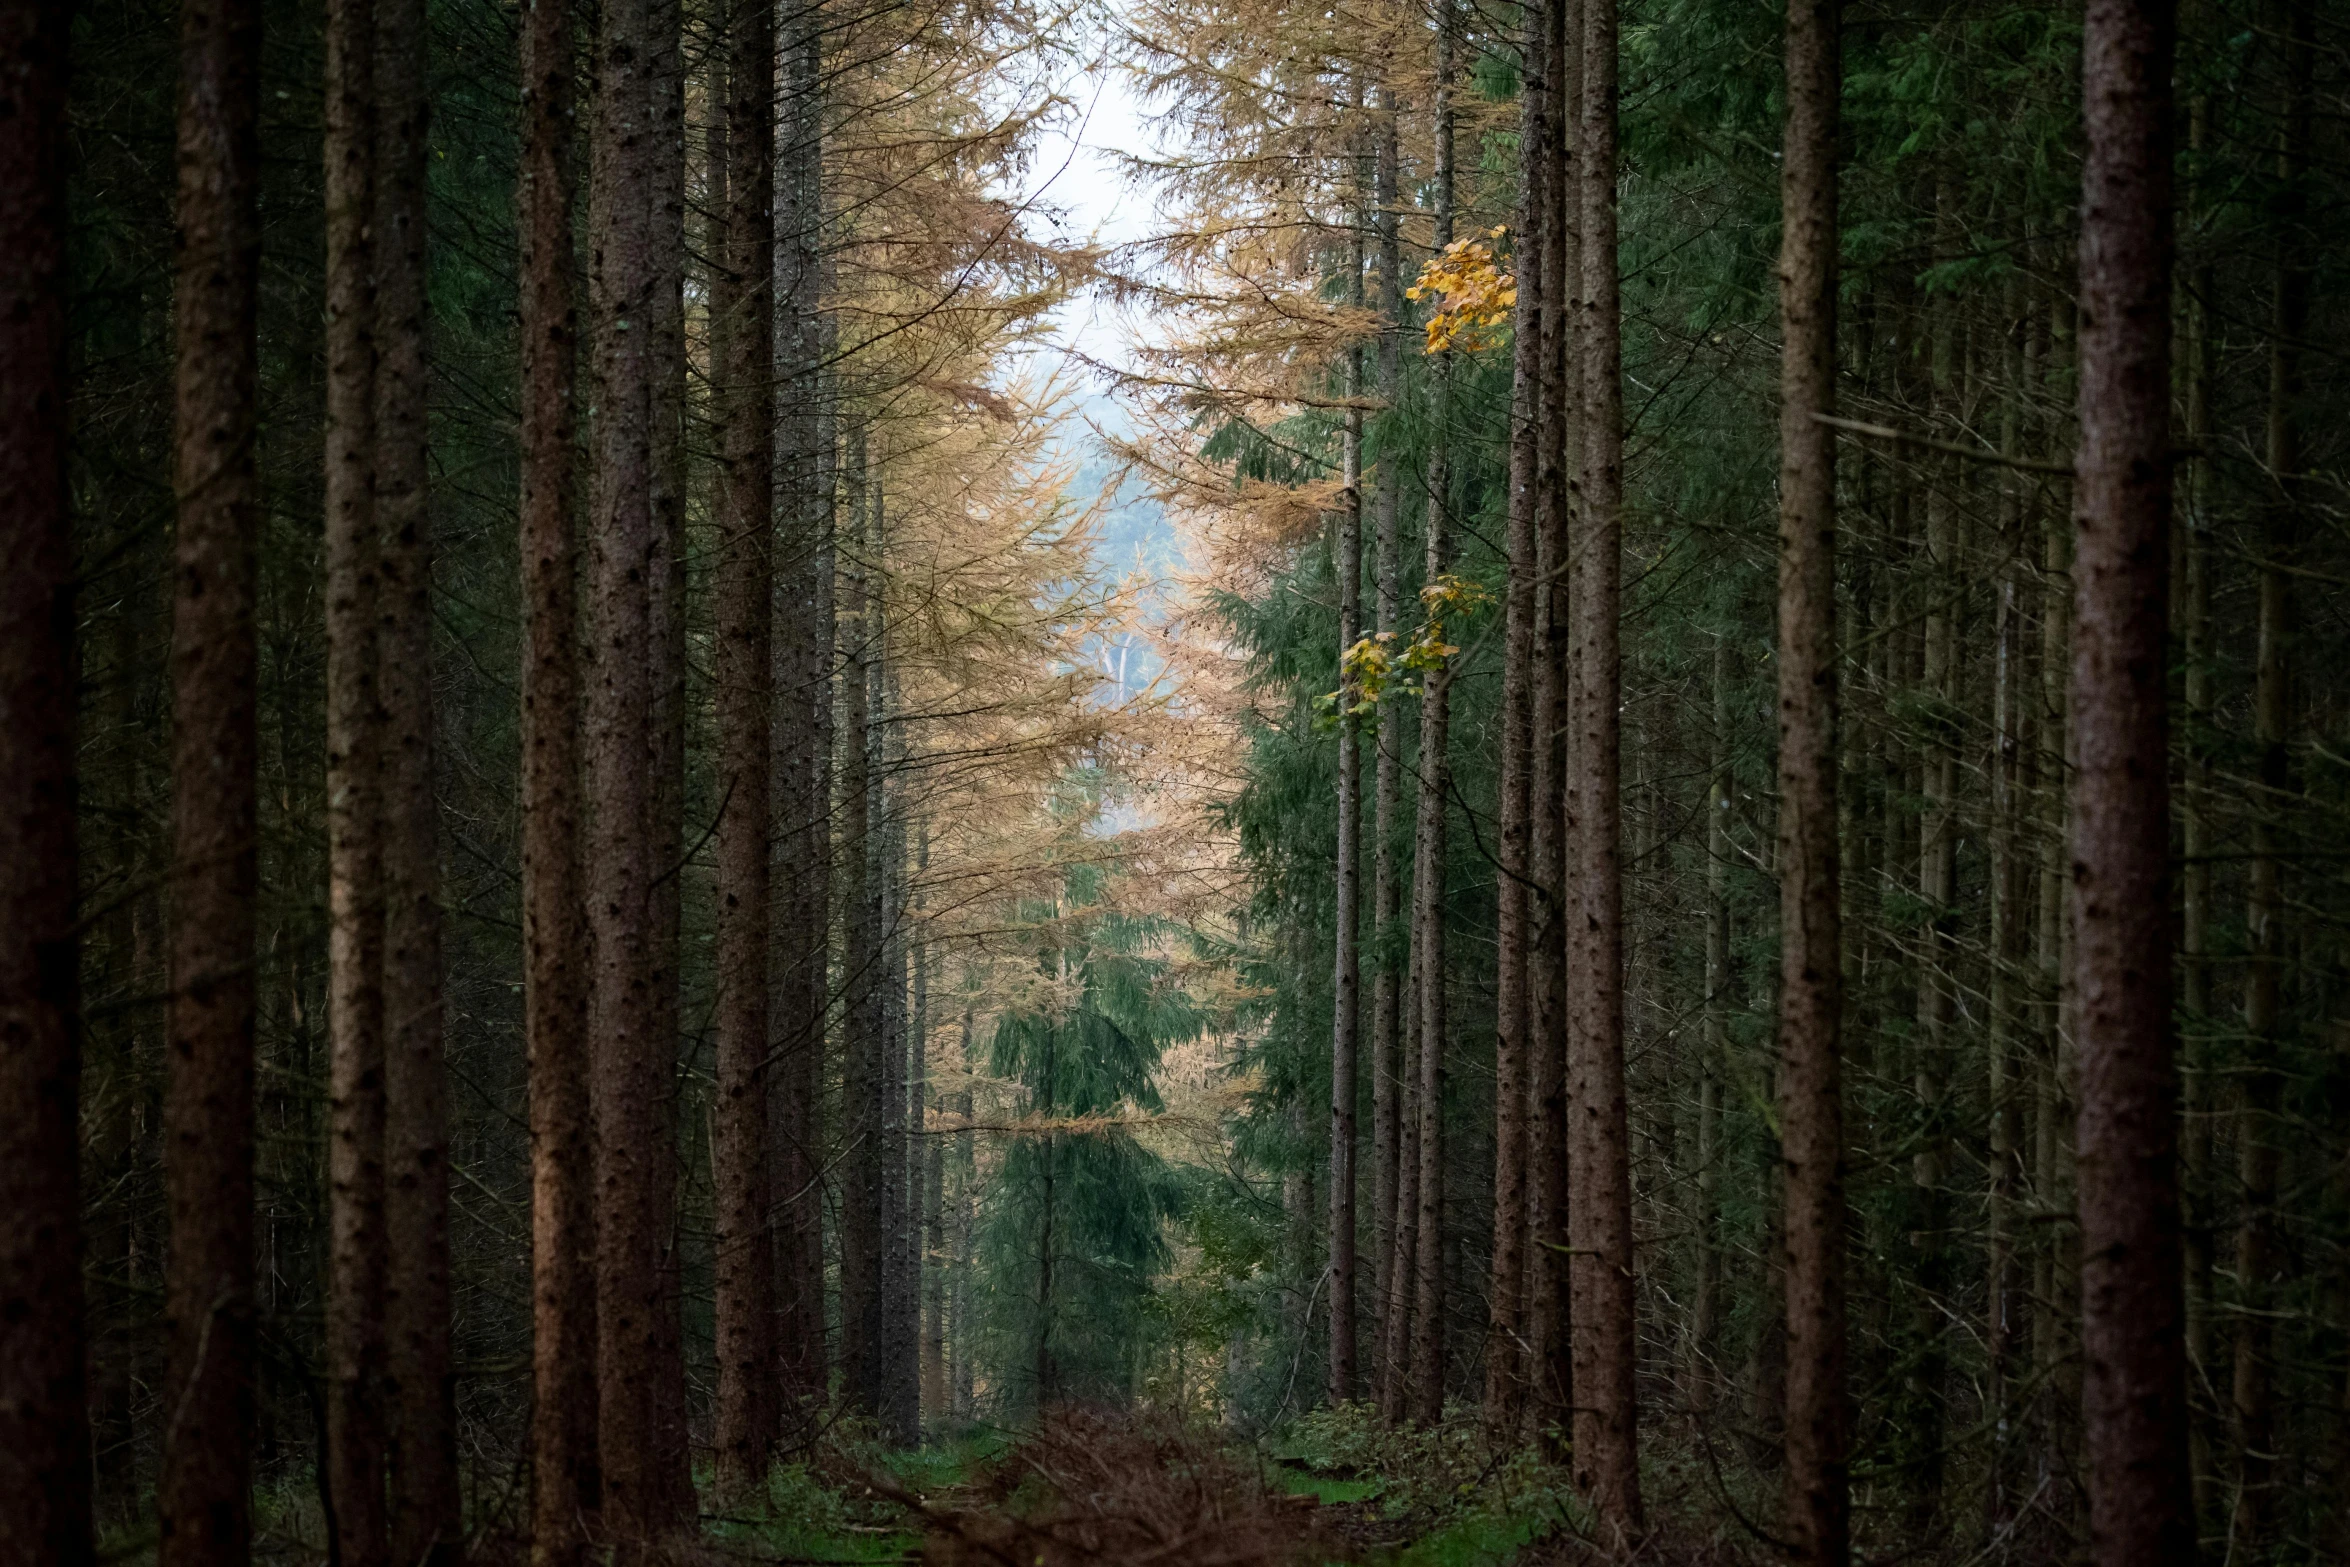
[203, 1491]
[631, 1076]
[1387, 933]
[427, 1523]
[44, 1420]
[1550, 1378]
[672, 1488]
[357, 1272]
[1505, 1337]
[566, 1484]
[742, 353]
[860, 1199]
[2134, 1383]
[1428, 870]
[1346, 980]
[1705, 1313]
[1599, 1136]
[1817, 1519]
[804, 713]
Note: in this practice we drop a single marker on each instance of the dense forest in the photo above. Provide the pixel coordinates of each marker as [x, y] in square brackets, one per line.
[1625, 838]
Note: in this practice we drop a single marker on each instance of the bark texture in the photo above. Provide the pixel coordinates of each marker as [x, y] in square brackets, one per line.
[742, 334]
[1818, 1505]
[427, 1522]
[1599, 1133]
[2133, 1395]
[358, 1256]
[566, 1487]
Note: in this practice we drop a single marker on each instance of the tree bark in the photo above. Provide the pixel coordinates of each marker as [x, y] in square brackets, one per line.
[44, 1419]
[1705, 1313]
[621, 764]
[203, 1491]
[358, 1261]
[742, 338]
[1506, 1320]
[1599, 1135]
[861, 1214]
[1550, 1377]
[1818, 1517]
[2134, 1384]
[671, 1450]
[1346, 979]
[566, 1484]
[804, 710]
[427, 1523]
[1387, 931]
[1428, 870]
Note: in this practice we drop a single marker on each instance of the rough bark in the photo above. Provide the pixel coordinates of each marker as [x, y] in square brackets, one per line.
[1550, 1378]
[1599, 1135]
[358, 1260]
[1346, 888]
[1705, 1306]
[804, 709]
[44, 1422]
[860, 1160]
[1818, 1502]
[672, 1448]
[566, 1486]
[620, 763]
[203, 1491]
[1429, 856]
[427, 1523]
[1505, 1337]
[2132, 1309]
[742, 352]
[1387, 933]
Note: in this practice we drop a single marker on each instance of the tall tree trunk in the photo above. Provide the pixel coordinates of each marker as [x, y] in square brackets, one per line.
[358, 1262]
[622, 762]
[934, 1268]
[1388, 936]
[860, 1200]
[566, 1488]
[427, 1523]
[1506, 1362]
[1428, 870]
[671, 1448]
[2258, 1260]
[2003, 1301]
[2134, 1408]
[1346, 979]
[1599, 1132]
[204, 1489]
[804, 709]
[742, 337]
[44, 1420]
[1550, 1377]
[1705, 1307]
[1818, 1507]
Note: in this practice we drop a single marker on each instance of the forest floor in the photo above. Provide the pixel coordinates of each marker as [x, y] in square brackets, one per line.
[1091, 1487]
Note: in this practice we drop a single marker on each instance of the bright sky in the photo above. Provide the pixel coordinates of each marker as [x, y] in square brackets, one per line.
[1076, 171]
